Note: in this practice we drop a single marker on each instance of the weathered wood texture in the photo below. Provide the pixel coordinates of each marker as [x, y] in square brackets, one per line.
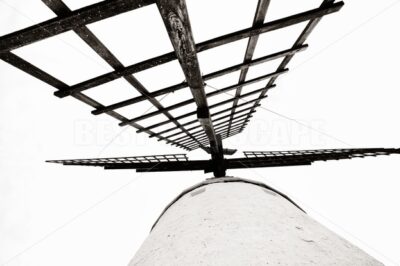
[176, 20]
[74, 19]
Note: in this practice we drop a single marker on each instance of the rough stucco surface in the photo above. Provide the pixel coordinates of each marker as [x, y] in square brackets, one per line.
[242, 224]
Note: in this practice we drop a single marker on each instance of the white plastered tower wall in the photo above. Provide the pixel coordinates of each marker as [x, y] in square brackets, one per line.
[232, 221]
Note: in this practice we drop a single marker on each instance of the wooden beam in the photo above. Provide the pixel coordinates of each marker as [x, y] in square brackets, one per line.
[217, 159]
[273, 25]
[164, 166]
[176, 20]
[225, 151]
[77, 18]
[32, 70]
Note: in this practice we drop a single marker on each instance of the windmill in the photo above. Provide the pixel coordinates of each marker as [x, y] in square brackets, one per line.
[206, 125]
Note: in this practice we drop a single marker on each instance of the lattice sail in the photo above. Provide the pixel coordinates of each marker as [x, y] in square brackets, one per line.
[304, 157]
[132, 160]
[206, 121]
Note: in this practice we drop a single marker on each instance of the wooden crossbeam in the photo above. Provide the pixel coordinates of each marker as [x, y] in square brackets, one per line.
[76, 18]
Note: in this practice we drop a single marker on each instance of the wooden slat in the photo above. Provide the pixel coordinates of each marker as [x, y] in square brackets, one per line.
[273, 25]
[32, 70]
[77, 18]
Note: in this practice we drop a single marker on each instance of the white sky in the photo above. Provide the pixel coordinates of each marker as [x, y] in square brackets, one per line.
[346, 85]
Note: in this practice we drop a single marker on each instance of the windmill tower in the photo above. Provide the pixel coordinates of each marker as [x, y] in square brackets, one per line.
[234, 221]
[223, 220]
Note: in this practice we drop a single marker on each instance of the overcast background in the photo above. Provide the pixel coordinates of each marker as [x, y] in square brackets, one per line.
[341, 92]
